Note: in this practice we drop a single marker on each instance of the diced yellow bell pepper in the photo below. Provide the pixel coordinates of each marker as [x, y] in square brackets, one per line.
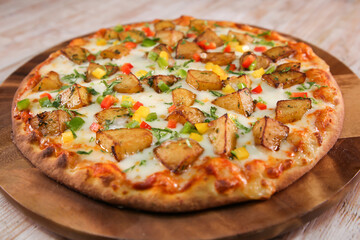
[242, 48]
[164, 55]
[67, 137]
[196, 137]
[202, 127]
[127, 98]
[233, 45]
[224, 37]
[258, 73]
[219, 71]
[140, 73]
[98, 73]
[140, 113]
[228, 89]
[240, 153]
[101, 42]
[116, 42]
[209, 66]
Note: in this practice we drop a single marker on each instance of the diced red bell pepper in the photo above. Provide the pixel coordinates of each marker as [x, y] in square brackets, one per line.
[205, 45]
[148, 32]
[137, 105]
[190, 35]
[108, 101]
[172, 123]
[196, 57]
[232, 67]
[46, 95]
[261, 106]
[126, 68]
[127, 28]
[299, 95]
[172, 108]
[258, 89]
[95, 127]
[130, 45]
[91, 57]
[248, 61]
[227, 48]
[145, 125]
[260, 49]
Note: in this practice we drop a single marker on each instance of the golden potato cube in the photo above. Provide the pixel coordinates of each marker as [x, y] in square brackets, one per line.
[222, 135]
[219, 58]
[203, 80]
[136, 35]
[111, 34]
[115, 52]
[242, 38]
[185, 114]
[198, 25]
[129, 83]
[210, 36]
[236, 81]
[284, 79]
[75, 97]
[110, 114]
[153, 81]
[178, 155]
[285, 67]
[109, 69]
[261, 61]
[164, 25]
[50, 123]
[123, 142]
[269, 133]
[169, 37]
[183, 96]
[76, 54]
[288, 111]
[277, 53]
[50, 82]
[186, 50]
[239, 101]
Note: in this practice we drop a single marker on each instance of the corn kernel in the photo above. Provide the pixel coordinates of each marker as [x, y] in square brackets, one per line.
[142, 112]
[258, 73]
[141, 73]
[164, 55]
[240, 153]
[228, 89]
[67, 137]
[98, 73]
[202, 127]
[116, 42]
[101, 42]
[196, 137]
[127, 98]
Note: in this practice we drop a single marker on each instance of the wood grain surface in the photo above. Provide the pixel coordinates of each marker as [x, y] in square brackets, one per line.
[29, 27]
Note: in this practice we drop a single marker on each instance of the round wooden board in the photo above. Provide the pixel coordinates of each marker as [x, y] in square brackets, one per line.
[73, 215]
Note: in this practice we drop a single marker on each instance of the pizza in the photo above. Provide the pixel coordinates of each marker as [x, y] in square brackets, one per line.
[178, 115]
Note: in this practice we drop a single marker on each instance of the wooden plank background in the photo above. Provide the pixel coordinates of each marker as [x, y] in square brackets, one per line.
[30, 27]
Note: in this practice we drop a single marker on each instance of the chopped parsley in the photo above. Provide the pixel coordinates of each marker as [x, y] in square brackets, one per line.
[242, 127]
[216, 94]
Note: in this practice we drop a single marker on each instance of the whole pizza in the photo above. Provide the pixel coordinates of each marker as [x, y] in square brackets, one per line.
[178, 115]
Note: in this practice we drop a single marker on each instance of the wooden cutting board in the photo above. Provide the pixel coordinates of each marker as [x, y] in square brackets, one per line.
[73, 215]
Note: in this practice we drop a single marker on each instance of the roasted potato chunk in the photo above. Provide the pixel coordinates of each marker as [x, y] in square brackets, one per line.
[277, 53]
[285, 67]
[185, 114]
[261, 61]
[186, 50]
[236, 81]
[115, 52]
[242, 38]
[50, 82]
[111, 34]
[284, 79]
[76, 54]
[162, 48]
[288, 111]
[222, 135]
[169, 37]
[109, 69]
[136, 35]
[164, 25]
[198, 25]
[240, 102]
[219, 58]
[153, 81]
[210, 36]
[183, 96]
[269, 133]
[203, 80]
[108, 115]
[75, 97]
[50, 123]
[178, 155]
[122, 142]
[129, 83]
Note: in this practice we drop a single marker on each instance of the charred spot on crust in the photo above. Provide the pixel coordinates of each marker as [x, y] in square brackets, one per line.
[223, 185]
[48, 152]
[33, 137]
[107, 179]
[62, 161]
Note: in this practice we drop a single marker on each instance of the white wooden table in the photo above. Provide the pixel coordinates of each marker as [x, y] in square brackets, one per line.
[30, 27]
